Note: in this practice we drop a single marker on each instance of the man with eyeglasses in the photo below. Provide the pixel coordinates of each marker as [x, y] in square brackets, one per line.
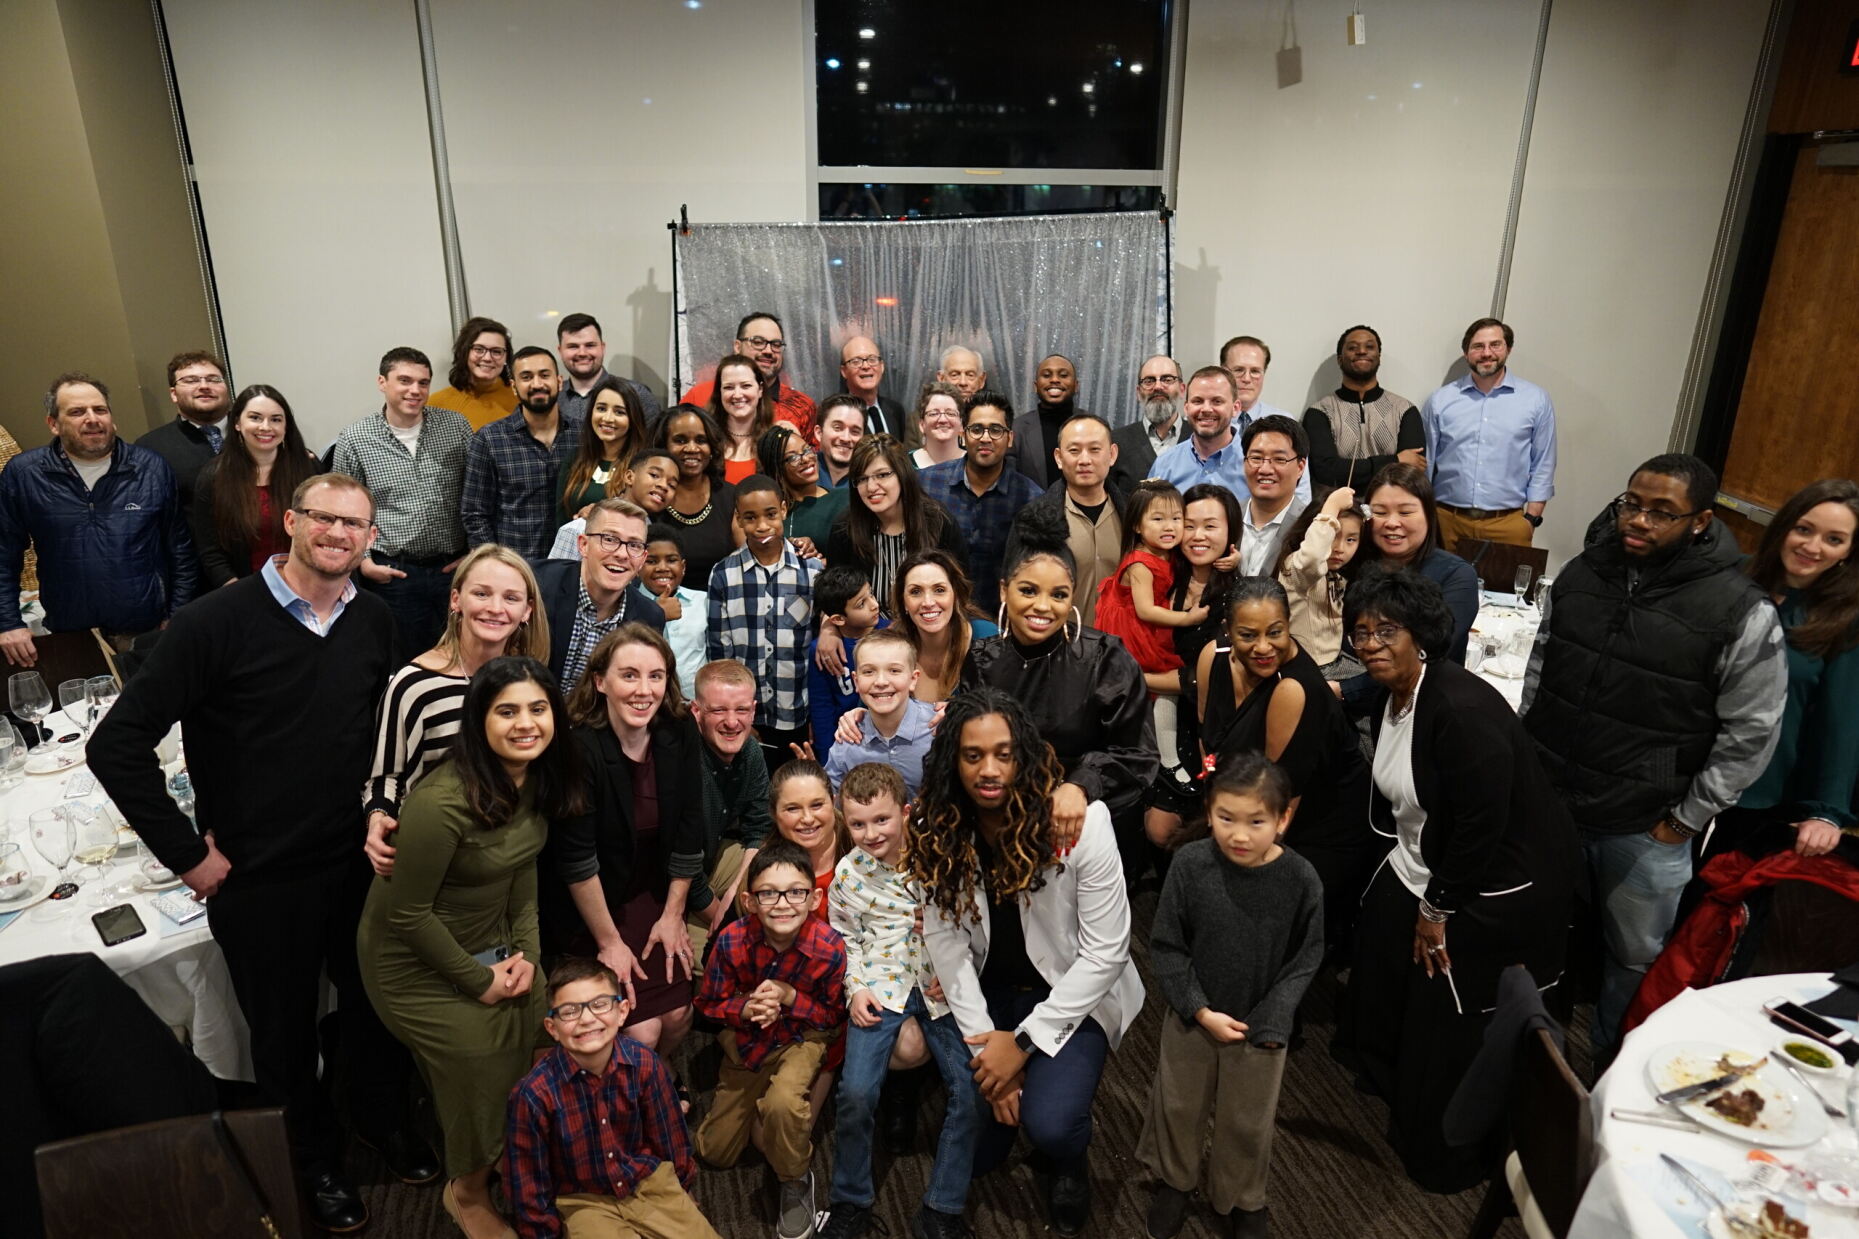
[1358, 429]
[589, 598]
[1275, 451]
[1036, 432]
[197, 386]
[761, 338]
[861, 369]
[1158, 425]
[513, 466]
[1655, 695]
[114, 552]
[980, 492]
[1490, 445]
[273, 680]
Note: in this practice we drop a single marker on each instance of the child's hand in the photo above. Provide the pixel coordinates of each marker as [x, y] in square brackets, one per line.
[803, 751]
[1220, 1026]
[1230, 560]
[1007, 1108]
[1195, 615]
[851, 727]
[864, 1009]
[933, 991]
[1341, 499]
[669, 604]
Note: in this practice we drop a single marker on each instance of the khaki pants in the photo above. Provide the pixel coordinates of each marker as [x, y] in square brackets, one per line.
[1512, 529]
[1236, 1086]
[722, 877]
[777, 1094]
[659, 1208]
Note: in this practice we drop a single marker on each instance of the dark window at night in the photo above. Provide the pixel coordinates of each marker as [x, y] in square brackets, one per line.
[842, 201]
[974, 84]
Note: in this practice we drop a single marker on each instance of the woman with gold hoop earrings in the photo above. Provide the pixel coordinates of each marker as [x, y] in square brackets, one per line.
[495, 610]
[1083, 689]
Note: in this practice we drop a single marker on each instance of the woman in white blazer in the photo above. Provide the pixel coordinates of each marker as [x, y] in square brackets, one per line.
[1032, 949]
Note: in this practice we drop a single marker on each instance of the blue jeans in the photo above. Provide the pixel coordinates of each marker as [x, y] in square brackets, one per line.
[418, 602]
[1634, 883]
[1055, 1108]
[868, 1059]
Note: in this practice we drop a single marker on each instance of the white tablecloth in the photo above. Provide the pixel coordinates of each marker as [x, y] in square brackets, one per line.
[1632, 1188]
[181, 975]
[1499, 619]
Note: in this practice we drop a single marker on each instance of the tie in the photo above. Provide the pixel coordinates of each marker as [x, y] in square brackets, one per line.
[214, 438]
[874, 420]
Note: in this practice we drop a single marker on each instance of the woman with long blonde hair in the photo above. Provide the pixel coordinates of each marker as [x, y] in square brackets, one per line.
[495, 611]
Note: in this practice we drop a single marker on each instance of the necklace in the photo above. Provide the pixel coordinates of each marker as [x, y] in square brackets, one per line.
[1400, 713]
[682, 519]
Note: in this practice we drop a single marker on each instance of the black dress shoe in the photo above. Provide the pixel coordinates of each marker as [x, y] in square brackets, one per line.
[409, 1158]
[335, 1206]
[1069, 1203]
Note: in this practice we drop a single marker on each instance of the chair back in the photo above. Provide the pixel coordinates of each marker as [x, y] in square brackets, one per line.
[1552, 1130]
[1497, 562]
[176, 1179]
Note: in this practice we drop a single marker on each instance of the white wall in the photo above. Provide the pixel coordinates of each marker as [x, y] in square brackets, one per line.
[1355, 196]
[308, 125]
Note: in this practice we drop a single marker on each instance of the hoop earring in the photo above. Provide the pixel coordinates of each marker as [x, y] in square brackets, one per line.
[1000, 617]
[1423, 655]
[1079, 630]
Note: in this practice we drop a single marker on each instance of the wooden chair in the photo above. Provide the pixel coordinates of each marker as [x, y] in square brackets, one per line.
[1546, 1174]
[1497, 562]
[177, 1179]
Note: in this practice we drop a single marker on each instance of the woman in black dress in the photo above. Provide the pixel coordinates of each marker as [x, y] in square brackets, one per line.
[704, 505]
[1259, 692]
[1480, 877]
[629, 861]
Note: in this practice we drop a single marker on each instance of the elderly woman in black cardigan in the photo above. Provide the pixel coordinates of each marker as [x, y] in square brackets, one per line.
[1480, 875]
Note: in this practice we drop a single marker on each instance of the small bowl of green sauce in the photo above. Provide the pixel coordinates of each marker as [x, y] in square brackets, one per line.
[1811, 1057]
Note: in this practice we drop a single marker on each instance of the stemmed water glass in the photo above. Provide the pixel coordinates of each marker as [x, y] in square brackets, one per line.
[73, 694]
[28, 698]
[1520, 584]
[102, 691]
[55, 837]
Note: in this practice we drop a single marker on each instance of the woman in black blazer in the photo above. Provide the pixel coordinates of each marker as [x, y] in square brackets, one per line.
[888, 518]
[629, 862]
[1480, 876]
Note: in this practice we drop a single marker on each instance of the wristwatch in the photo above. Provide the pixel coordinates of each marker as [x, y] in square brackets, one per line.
[1024, 1040]
[1536, 522]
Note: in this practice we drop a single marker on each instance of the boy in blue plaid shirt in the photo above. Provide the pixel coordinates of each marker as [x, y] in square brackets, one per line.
[761, 613]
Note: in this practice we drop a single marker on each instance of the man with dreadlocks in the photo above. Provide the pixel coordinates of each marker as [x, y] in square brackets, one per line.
[1033, 952]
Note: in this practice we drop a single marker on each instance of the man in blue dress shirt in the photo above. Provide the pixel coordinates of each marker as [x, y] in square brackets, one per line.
[1491, 445]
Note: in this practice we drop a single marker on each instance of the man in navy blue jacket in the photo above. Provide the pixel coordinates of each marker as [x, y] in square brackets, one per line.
[105, 517]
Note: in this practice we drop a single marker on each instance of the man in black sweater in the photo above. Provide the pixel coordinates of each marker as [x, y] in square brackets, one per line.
[274, 681]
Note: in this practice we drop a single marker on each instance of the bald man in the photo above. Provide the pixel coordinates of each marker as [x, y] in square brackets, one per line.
[861, 369]
[1036, 432]
[963, 368]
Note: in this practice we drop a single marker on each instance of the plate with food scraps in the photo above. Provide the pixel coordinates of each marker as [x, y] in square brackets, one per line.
[1756, 1219]
[1764, 1107]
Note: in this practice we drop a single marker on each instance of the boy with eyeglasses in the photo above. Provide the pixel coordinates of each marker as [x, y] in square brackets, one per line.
[776, 980]
[595, 1143]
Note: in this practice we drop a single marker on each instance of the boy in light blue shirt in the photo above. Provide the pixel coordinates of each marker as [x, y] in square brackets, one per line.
[687, 611]
[897, 728]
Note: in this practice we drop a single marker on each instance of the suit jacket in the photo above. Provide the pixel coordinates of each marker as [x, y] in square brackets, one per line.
[1077, 930]
[1031, 454]
[893, 414]
[558, 584]
[1135, 454]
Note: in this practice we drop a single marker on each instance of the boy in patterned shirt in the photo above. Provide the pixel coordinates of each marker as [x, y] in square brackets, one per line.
[896, 1007]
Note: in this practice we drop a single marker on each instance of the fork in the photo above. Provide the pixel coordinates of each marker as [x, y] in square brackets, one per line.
[1832, 1110]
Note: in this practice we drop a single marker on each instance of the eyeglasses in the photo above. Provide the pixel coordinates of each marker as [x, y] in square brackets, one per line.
[985, 430]
[796, 458]
[614, 542]
[1623, 507]
[869, 359]
[759, 342]
[1383, 634]
[572, 1010]
[323, 520]
[796, 895]
[880, 476]
[492, 354]
[1158, 380]
[191, 380]
[1259, 460]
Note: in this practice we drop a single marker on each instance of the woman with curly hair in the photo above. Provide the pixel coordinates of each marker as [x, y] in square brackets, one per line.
[997, 898]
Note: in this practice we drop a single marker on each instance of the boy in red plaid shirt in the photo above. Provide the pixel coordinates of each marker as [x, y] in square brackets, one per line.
[777, 979]
[595, 1144]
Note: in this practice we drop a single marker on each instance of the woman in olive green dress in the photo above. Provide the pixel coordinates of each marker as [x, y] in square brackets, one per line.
[462, 894]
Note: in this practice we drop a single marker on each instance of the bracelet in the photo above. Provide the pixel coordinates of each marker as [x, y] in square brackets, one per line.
[1678, 827]
[1430, 913]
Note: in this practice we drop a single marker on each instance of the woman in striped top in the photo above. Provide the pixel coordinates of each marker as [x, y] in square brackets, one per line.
[494, 612]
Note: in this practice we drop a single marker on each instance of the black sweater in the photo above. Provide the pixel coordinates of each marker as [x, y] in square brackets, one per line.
[278, 724]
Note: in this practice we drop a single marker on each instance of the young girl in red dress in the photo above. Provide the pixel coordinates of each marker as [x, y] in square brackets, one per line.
[1133, 603]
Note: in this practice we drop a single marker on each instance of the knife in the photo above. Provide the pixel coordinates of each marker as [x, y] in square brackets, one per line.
[1691, 1092]
[1655, 1118]
[1710, 1198]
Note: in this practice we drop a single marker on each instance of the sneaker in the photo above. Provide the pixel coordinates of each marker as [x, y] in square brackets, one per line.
[1069, 1203]
[1249, 1223]
[845, 1220]
[794, 1218]
[931, 1224]
[1168, 1209]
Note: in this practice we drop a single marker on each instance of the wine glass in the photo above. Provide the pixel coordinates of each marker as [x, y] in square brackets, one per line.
[102, 691]
[71, 695]
[55, 838]
[1520, 584]
[95, 841]
[12, 756]
[27, 695]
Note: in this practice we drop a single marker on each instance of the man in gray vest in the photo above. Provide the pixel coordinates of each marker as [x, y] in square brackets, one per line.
[1655, 696]
[1361, 427]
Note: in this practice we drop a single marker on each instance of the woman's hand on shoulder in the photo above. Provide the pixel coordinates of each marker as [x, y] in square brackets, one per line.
[851, 727]
[1068, 808]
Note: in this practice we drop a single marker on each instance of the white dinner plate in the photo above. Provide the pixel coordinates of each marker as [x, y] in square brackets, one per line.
[54, 763]
[38, 886]
[1788, 1120]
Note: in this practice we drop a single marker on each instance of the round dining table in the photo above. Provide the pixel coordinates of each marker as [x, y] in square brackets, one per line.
[177, 970]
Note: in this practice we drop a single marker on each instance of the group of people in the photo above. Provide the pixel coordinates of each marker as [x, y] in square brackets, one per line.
[842, 732]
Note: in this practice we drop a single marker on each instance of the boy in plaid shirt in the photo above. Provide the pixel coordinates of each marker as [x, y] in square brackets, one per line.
[761, 614]
[594, 1141]
[777, 979]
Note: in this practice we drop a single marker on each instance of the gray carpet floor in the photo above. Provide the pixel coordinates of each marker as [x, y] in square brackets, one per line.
[1332, 1173]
